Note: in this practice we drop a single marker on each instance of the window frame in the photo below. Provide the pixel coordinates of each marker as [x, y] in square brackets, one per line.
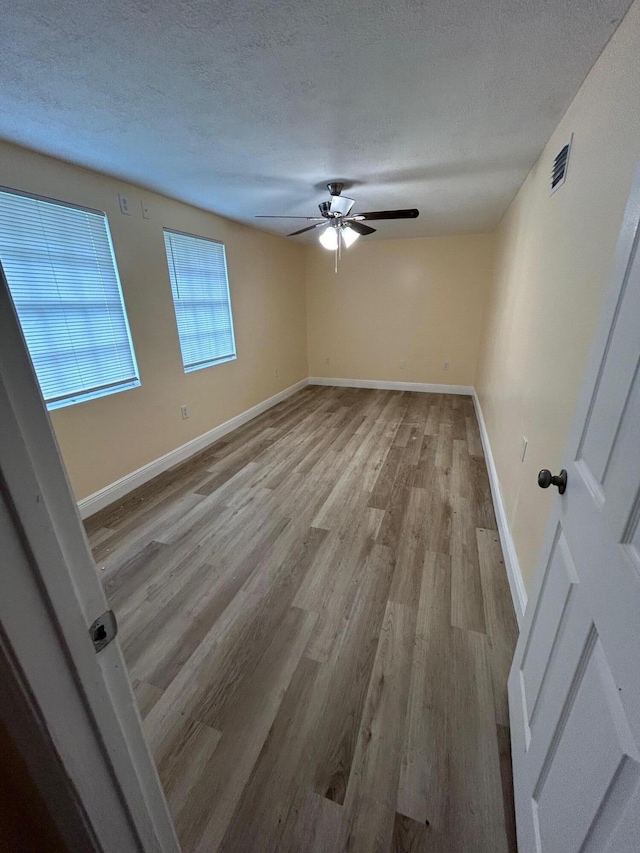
[191, 368]
[96, 392]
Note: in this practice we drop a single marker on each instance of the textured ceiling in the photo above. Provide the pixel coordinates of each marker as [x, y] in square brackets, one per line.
[245, 107]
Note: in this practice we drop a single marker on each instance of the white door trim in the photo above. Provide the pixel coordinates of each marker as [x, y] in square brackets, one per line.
[81, 701]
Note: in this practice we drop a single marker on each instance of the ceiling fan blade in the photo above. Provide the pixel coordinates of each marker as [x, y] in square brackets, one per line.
[360, 227]
[309, 228]
[410, 213]
[308, 218]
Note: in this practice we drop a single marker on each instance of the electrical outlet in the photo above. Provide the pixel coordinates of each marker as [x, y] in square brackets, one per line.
[277, 371]
[403, 364]
[523, 450]
[445, 366]
[185, 412]
[125, 204]
[145, 210]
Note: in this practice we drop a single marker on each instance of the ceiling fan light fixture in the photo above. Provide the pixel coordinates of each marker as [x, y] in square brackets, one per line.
[341, 204]
[349, 236]
[329, 238]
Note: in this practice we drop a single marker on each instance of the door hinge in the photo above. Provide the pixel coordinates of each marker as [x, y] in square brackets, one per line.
[103, 630]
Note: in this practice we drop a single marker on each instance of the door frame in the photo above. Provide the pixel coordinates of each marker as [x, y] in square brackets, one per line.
[70, 710]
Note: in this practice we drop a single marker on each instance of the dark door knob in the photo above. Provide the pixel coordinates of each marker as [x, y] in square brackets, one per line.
[546, 479]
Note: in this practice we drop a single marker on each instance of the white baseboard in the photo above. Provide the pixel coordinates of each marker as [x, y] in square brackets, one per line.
[113, 492]
[382, 385]
[516, 582]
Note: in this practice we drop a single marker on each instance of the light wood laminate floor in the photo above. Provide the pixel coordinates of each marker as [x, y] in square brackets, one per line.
[318, 628]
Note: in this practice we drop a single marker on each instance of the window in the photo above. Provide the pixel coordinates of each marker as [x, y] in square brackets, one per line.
[200, 288]
[62, 275]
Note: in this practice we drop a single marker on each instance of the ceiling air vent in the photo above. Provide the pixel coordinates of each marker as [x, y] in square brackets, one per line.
[559, 171]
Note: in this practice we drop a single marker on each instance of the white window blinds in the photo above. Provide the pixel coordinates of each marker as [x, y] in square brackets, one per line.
[200, 288]
[62, 275]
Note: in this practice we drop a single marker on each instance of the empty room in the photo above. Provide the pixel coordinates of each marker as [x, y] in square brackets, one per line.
[320, 455]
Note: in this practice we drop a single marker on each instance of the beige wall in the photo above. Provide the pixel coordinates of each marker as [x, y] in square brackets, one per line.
[553, 261]
[104, 439]
[418, 300]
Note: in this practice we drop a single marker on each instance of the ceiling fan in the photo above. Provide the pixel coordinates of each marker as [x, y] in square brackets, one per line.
[339, 225]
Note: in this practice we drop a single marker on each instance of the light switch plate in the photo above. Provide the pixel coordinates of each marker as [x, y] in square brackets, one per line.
[125, 205]
[145, 210]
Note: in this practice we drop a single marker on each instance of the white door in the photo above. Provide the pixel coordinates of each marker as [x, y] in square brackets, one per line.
[574, 687]
[70, 709]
